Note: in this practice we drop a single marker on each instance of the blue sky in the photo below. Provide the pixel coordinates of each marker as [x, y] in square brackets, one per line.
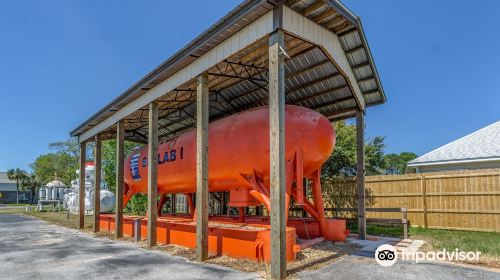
[61, 61]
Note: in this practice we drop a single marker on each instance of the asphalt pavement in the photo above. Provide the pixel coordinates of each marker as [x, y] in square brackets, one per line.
[34, 249]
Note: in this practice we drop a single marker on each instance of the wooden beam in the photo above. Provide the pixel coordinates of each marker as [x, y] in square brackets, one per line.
[202, 168]
[97, 181]
[152, 172]
[308, 68]
[361, 65]
[120, 139]
[81, 181]
[360, 175]
[313, 7]
[292, 3]
[338, 116]
[334, 21]
[362, 80]
[424, 200]
[327, 91]
[347, 31]
[355, 49]
[325, 15]
[308, 84]
[346, 26]
[371, 91]
[336, 101]
[277, 153]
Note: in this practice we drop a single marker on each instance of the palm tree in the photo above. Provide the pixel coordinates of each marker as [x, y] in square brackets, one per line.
[32, 183]
[17, 175]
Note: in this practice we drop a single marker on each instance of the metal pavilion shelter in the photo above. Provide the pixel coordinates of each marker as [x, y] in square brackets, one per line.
[310, 53]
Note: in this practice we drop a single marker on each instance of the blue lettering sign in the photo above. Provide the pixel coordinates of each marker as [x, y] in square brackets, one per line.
[134, 167]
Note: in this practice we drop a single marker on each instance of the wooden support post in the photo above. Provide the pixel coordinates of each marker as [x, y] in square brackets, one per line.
[152, 172]
[277, 144]
[120, 139]
[405, 222]
[424, 200]
[202, 168]
[360, 175]
[97, 183]
[81, 192]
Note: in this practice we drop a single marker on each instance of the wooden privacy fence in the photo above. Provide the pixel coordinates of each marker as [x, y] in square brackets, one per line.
[464, 200]
[403, 220]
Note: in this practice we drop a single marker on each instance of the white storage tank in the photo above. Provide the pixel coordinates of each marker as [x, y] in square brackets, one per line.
[54, 194]
[53, 188]
[41, 194]
[107, 201]
[61, 193]
[48, 193]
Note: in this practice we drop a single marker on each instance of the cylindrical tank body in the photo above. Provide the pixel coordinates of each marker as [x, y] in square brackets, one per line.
[41, 194]
[107, 201]
[61, 193]
[48, 193]
[238, 145]
[55, 192]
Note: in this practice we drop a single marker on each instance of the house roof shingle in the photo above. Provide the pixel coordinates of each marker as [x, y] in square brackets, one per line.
[481, 145]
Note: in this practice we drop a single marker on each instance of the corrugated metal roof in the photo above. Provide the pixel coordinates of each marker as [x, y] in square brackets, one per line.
[483, 144]
[333, 15]
[312, 80]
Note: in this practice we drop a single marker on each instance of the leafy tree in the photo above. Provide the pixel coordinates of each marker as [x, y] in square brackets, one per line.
[397, 163]
[63, 161]
[137, 204]
[343, 161]
[47, 165]
[69, 147]
[16, 175]
[109, 159]
[31, 183]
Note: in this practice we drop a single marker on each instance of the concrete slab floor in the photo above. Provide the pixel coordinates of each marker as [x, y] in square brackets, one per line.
[33, 249]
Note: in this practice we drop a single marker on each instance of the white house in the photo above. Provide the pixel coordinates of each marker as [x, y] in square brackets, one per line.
[8, 191]
[478, 150]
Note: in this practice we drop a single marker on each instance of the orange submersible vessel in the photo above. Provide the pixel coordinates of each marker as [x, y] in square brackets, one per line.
[238, 164]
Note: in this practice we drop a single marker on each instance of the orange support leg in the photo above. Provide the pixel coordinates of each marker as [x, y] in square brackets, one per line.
[318, 201]
[299, 178]
[129, 192]
[161, 203]
[191, 206]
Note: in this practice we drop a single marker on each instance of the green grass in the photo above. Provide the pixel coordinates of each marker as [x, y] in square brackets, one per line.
[488, 243]
[12, 210]
[15, 204]
[392, 231]
[59, 218]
